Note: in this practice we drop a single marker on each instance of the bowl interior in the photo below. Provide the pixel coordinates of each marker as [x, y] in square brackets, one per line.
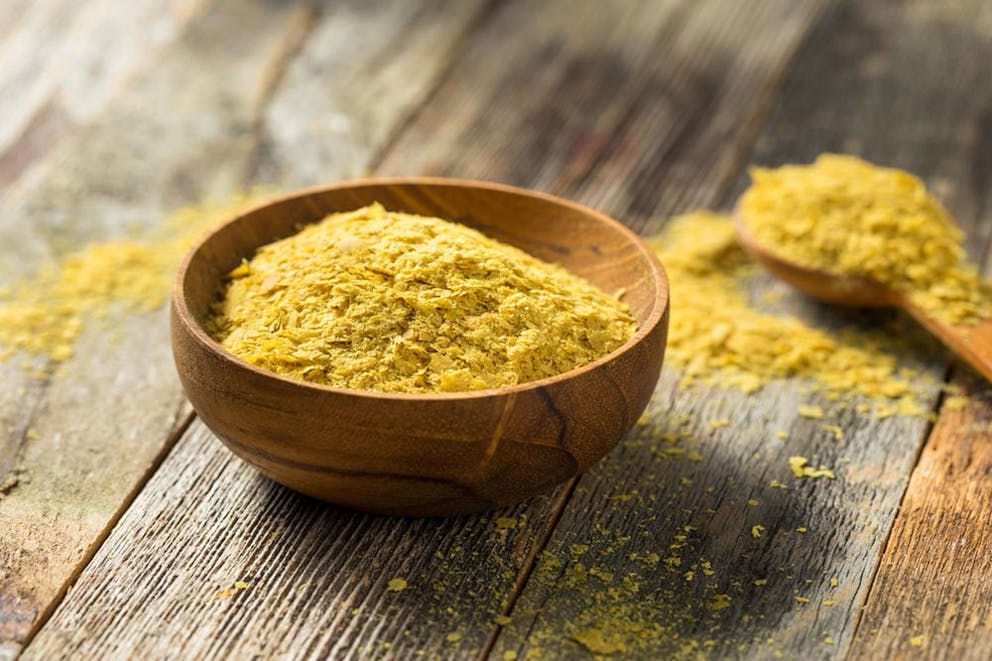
[583, 241]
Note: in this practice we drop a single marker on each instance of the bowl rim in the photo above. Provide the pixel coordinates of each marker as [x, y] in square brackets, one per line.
[657, 313]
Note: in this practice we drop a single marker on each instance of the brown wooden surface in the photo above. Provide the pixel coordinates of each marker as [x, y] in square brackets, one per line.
[87, 453]
[932, 592]
[427, 454]
[638, 108]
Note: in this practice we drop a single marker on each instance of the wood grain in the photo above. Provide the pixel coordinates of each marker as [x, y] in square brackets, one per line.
[932, 595]
[427, 454]
[57, 63]
[838, 96]
[98, 618]
[316, 578]
[333, 112]
[644, 117]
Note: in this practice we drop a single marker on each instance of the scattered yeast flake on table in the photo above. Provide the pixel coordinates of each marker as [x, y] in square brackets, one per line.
[45, 313]
[801, 468]
[719, 338]
[397, 584]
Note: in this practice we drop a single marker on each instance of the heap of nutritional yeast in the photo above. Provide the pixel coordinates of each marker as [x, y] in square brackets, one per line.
[845, 216]
[376, 300]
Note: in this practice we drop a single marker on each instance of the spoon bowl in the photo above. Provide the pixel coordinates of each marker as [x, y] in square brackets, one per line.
[821, 285]
[426, 454]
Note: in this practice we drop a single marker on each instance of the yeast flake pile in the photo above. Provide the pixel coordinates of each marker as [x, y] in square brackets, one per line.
[845, 216]
[376, 300]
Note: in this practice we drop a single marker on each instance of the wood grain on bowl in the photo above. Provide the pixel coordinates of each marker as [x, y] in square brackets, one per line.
[426, 454]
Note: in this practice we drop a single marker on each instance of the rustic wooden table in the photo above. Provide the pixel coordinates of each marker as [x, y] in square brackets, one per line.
[127, 530]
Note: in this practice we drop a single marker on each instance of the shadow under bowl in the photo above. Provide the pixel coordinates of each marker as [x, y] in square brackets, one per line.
[426, 454]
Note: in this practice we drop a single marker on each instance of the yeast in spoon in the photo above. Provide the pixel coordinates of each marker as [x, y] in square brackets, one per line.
[854, 220]
[848, 232]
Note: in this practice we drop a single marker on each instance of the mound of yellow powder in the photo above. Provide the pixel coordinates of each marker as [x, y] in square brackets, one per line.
[716, 337]
[375, 300]
[848, 217]
[45, 313]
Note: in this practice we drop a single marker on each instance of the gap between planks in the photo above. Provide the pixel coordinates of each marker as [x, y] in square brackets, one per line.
[530, 563]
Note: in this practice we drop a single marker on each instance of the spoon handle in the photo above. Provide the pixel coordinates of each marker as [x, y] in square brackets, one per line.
[972, 343]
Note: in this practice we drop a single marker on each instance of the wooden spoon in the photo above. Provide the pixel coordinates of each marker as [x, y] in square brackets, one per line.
[972, 343]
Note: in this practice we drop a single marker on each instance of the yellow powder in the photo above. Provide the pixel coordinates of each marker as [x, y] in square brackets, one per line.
[375, 300]
[956, 403]
[719, 602]
[848, 217]
[836, 430]
[396, 585]
[718, 338]
[505, 523]
[44, 314]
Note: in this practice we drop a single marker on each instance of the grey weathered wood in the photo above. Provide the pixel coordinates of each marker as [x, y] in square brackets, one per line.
[100, 427]
[58, 68]
[839, 96]
[333, 111]
[641, 132]
[220, 512]
[186, 128]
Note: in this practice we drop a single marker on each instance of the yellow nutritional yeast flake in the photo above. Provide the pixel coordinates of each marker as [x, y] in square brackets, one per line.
[718, 338]
[801, 468]
[376, 300]
[396, 585]
[845, 216]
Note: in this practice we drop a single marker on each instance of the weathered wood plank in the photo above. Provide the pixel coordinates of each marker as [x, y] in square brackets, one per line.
[229, 508]
[180, 132]
[58, 64]
[79, 444]
[334, 112]
[932, 593]
[873, 79]
[639, 132]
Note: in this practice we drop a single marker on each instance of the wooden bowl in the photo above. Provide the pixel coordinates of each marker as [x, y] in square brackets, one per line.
[426, 454]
